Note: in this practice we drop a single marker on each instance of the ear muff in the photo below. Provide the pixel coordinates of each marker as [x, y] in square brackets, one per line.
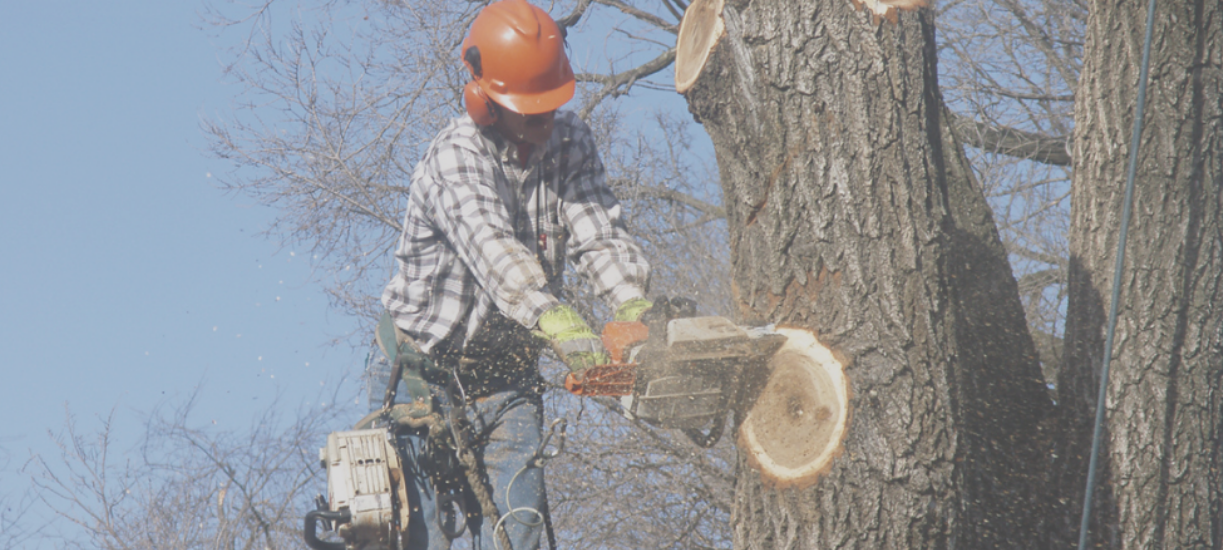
[479, 106]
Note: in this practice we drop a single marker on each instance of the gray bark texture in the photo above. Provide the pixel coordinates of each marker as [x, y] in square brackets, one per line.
[853, 212]
[1160, 484]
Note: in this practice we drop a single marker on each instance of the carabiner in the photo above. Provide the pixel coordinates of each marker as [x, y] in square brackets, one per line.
[446, 513]
[542, 454]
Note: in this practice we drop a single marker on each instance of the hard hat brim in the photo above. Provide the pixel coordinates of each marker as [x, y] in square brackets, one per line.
[533, 104]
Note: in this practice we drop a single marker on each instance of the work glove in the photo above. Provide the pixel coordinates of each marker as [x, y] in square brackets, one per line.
[632, 310]
[578, 346]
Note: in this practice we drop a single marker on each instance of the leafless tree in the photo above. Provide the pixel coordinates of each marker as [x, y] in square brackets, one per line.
[187, 486]
[17, 524]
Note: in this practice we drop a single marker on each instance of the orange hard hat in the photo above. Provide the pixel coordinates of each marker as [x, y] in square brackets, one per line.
[516, 53]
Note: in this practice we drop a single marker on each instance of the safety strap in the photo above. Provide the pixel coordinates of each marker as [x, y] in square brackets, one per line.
[404, 356]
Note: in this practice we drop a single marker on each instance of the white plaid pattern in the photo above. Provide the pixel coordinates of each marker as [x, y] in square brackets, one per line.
[471, 233]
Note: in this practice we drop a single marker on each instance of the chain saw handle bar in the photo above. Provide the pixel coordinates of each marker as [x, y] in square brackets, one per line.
[327, 517]
[617, 377]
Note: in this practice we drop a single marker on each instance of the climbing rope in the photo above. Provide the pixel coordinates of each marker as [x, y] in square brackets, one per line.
[456, 420]
[454, 425]
[1098, 432]
[453, 430]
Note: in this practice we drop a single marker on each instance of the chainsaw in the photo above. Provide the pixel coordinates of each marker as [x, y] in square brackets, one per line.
[680, 372]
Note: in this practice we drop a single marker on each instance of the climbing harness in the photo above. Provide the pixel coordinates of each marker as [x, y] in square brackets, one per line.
[366, 466]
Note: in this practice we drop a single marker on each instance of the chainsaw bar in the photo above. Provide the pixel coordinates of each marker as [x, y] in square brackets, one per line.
[684, 374]
[611, 380]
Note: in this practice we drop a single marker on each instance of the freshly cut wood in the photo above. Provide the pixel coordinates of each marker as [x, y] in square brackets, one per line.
[888, 9]
[795, 429]
[699, 32]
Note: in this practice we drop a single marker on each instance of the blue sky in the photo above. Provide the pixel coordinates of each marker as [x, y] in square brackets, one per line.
[128, 278]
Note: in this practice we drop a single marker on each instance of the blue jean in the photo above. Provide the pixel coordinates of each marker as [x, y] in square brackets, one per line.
[507, 429]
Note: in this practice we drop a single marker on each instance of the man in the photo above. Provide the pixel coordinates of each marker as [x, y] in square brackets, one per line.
[503, 197]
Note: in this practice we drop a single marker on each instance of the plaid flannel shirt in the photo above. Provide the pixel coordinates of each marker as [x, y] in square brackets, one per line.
[481, 232]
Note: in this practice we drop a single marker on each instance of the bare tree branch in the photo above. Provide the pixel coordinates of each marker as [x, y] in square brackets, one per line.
[618, 84]
[1039, 280]
[1012, 142]
[710, 210]
[676, 9]
[574, 16]
[1036, 256]
[1041, 40]
[1034, 97]
[642, 15]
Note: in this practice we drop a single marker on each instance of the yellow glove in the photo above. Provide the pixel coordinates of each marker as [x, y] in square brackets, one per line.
[632, 310]
[578, 346]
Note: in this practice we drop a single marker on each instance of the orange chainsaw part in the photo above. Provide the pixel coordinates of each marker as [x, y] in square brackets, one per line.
[619, 335]
[617, 377]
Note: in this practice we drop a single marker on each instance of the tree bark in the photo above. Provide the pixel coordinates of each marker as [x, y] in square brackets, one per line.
[1159, 483]
[853, 212]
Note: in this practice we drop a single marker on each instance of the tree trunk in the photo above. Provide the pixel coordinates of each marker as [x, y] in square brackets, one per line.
[1160, 484]
[853, 212]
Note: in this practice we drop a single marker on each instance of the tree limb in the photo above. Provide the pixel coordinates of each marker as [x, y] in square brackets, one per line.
[642, 15]
[572, 19]
[685, 199]
[676, 8]
[1011, 142]
[612, 83]
[1034, 97]
[1023, 252]
[1037, 281]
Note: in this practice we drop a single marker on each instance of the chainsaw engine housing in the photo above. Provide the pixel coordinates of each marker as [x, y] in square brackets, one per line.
[689, 377]
[365, 491]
